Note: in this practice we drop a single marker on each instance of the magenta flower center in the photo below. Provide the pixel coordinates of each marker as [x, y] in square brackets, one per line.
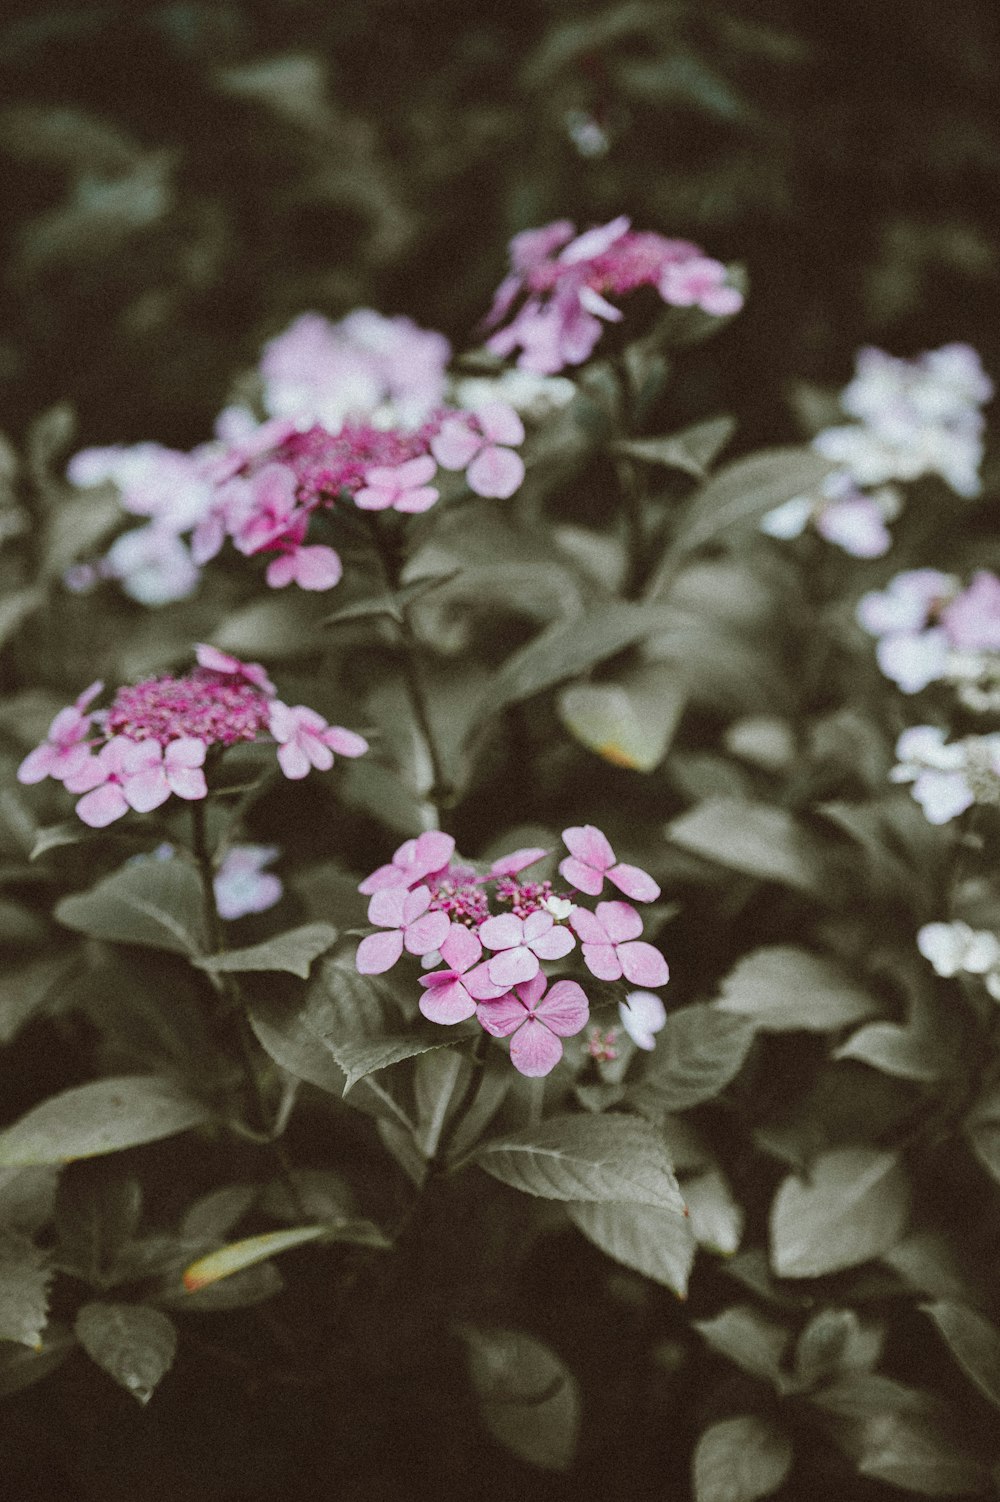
[525, 897]
[457, 894]
[217, 708]
[327, 464]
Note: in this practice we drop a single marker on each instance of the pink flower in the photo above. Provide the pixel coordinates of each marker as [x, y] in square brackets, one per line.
[403, 487]
[591, 858]
[223, 662]
[306, 740]
[700, 282]
[175, 768]
[316, 567]
[274, 516]
[452, 994]
[413, 862]
[610, 950]
[521, 943]
[108, 780]
[972, 620]
[410, 926]
[643, 1015]
[64, 750]
[855, 524]
[535, 1020]
[477, 442]
[241, 886]
[518, 860]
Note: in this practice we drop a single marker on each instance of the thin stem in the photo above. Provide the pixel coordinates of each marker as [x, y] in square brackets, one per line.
[465, 1104]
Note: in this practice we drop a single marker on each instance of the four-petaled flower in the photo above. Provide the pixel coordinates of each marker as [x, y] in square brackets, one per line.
[413, 862]
[536, 1020]
[64, 750]
[591, 858]
[174, 768]
[403, 487]
[521, 943]
[306, 740]
[451, 995]
[109, 780]
[410, 926]
[478, 443]
[612, 948]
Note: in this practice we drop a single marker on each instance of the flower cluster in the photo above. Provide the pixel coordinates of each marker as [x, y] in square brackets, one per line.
[356, 415]
[930, 629]
[560, 284]
[155, 736]
[488, 964]
[913, 418]
[957, 949]
[948, 778]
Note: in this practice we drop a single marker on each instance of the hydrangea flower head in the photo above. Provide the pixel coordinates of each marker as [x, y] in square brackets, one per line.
[926, 622]
[409, 924]
[401, 487]
[306, 740]
[414, 862]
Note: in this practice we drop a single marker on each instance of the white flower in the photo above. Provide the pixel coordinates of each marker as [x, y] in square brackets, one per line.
[643, 1015]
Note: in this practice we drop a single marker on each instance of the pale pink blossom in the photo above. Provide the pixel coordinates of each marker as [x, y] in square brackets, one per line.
[517, 861]
[702, 283]
[591, 859]
[224, 662]
[611, 945]
[400, 487]
[415, 860]
[521, 943]
[480, 443]
[643, 1015]
[64, 750]
[316, 567]
[112, 780]
[242, 886]
[972, 619]
[306, 740]
[405, 915]
[275, 516]
[536, 1020]
[174, 768]
[451, 995]
[855, 524]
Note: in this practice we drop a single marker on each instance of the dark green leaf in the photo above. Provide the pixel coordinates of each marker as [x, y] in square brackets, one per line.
[853, 1206]
[835, 1341]
[734, 500]
[102, 1117]
[740, 1460]
[131, 1342]
[974, 1341]
[908, 1053]
[292, 952]
[716, 1216]
[610, 1159]
[692, 450]
[782, 989]
[698, 1053]
[658, 1243]
[24, 1282]
[528, 1398]
[629, 722]
[158, 903]
[97, 1214]
[24, 990]
[749, 1339]
[27, 1197]
[755, 838]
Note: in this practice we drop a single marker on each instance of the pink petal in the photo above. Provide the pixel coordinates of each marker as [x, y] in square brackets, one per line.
[511, 865]
[512, 966]
[478, 984]
[594, 242]
[643, 965]
[461, 949]
[532, 991]
[188, 782]
[599, 306]
[602, 960]
[317, 750]
[590, 929]
[293, 761]
[90, 774]
[502, 932]
[375, 497]
[620, 920]
[415, 903]
[445, 1000]
[429, 932]
[554, 944]
[147, 790]
[387, 906]
[535, 925]
[582, 878]
[589, 845]
[634, 882]
[502, 1016]
[534, 1051]
[281, 721]
[189, 751]
[280, 571]
[345, 742]
[378, 952]
[499, 423]
[415, 471]
[38, 763]
[317, 567]
[495, 472]
[432, 850]
[412, 502]
[102, 806]
[564, 1008]
[455, 445]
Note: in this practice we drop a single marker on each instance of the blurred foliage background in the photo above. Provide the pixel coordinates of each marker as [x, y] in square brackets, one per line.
[182, 178]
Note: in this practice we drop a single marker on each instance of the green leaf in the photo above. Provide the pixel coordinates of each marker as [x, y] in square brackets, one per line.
[733, 501]
[691, 450]
[102, 1117]
[611, 1159]
[784, 989]
[698, 1053]
[853, 1206]
[982, 1128]
[252, 1249]
[21, 1366]
[755, 838]
[97, 1213]
[24, 990]
[254, 1285]
[158, 903]
[740, 1460]
[567, 649]
[213, 1215]
[974, 1341]
[907, 1053]
[131, 1342]
[835, 1341]
[749, 1339]
[292, 952]
[716, 1217]
[24, 1284]
[631, 721]
[282, 1031]
[655, 1242]
[528, 1398]
[909, 1450]
[27, 1197]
